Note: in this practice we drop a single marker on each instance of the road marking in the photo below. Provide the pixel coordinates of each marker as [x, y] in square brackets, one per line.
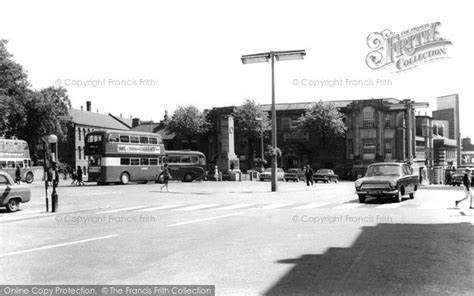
[94, 193]
[196, 207]
[205, 219]
[121, 210]
[349, 206]
[432, 206]
[159, 208]
[275, 206]
[58, 245]
[311, 205]
[389, 205]
[237, 206]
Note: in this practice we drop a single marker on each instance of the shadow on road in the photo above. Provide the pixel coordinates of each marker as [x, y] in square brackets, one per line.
[389, 259]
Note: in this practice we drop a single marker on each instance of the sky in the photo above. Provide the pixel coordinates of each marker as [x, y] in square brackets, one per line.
[140, 58]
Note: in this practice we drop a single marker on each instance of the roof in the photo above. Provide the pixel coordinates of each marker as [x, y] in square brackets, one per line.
[303, 105]
[165, 135]
[127, 121]
[94, 119]
[146, 127]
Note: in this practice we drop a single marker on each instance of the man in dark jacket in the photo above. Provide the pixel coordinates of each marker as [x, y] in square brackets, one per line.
[466, 180]
[308, 173]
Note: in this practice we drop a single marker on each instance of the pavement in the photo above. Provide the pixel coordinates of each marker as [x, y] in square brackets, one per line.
[243, 239]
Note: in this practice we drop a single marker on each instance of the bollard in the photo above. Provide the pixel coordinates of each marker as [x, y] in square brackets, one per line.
[54, 200]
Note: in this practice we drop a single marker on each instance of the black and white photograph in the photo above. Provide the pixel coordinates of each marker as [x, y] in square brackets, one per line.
[236, 148]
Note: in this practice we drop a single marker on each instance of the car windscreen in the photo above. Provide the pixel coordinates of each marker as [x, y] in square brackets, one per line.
[323, 172]
[384, 170]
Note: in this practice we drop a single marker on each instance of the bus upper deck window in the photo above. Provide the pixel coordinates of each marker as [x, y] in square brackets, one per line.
[144, 140]
[133, 139]
[153, 140]
[124, 139]
[114, 138]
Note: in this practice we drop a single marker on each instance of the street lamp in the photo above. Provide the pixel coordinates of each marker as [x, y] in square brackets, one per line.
[265, 57]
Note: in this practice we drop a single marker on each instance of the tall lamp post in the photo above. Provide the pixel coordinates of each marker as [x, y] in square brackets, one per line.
[263, 58]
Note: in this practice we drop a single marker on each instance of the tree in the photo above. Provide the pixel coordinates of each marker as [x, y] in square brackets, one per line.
[188, 122]
[250, 122]
[322, 119]
[25, 113]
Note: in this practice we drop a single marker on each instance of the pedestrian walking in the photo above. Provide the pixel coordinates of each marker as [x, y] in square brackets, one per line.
[166, 177]
[466, 180]
[308, 174]
[18, 175]
[79, 176]
[74, 177]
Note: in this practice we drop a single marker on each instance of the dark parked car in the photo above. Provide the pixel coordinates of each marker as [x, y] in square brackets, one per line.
[12, 195]
[458, 175]
[387, 179]
[294, 175]
[325, 175]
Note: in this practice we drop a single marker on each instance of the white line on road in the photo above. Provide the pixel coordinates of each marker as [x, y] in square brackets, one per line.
[390, 205]
[121, 210]
[159, 208]
[311, 206]
[275, 206]
[58, 245]
[197, 207]
[349, 206]
[205, 219]
[237, 206]
[93, 193]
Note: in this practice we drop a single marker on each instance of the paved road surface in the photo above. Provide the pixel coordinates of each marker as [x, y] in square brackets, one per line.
[243, 239]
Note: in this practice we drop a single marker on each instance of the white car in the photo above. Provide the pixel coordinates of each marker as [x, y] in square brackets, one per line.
[11, 194]
[267, 173]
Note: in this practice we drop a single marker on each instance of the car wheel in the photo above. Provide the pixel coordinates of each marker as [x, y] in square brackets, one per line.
[124, 178]
[412, 195]
[361, 198]
[188, 178]
[335, 181]
[13, 205]
[29, 178]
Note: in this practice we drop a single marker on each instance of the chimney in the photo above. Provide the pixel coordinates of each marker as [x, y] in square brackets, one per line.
[82, 108]
[136, 122]
[88, 105]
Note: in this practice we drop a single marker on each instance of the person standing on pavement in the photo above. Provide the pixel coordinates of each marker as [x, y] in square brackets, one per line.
[166, 177]
[466, 180]
[79, 176]
[18, 175]
[308, 174]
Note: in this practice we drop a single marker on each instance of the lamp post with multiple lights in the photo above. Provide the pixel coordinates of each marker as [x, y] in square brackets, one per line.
[262, 58]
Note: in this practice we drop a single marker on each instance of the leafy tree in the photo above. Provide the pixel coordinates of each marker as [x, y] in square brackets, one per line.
[188, 122]
[250, 122]
[25, 113]
[322, 119]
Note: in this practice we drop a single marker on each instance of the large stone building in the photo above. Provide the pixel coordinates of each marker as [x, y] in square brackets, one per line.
[71, 151]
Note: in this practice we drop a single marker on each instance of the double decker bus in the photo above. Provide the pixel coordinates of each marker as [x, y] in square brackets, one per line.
[123, 156]
[15, 153]
[185, 165]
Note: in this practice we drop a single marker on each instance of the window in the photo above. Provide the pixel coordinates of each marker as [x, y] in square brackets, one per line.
[114, 138]
[368, 117]
[153, 161]
[124, 139]
[124, 161]
[387, 119]
[144, 161]
[388, 147]
[135, 161]
[153, 140]
[350, 146]
[368, 150]
[4, 181]
[79, 152]
[185, 159]
[286, 124]
[144, 140]
[79, 134]
[134, 139]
